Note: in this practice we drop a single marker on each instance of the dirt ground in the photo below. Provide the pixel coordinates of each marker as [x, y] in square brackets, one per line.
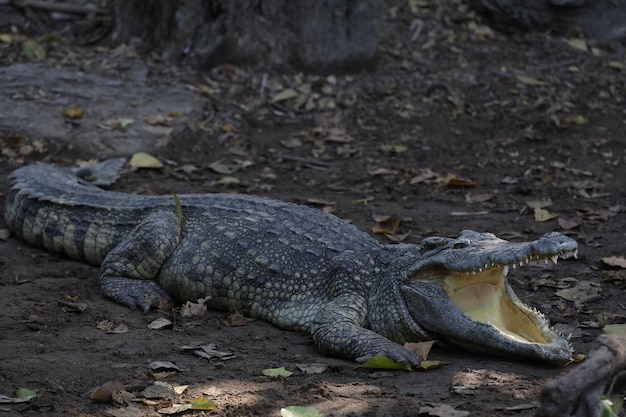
[458, 127]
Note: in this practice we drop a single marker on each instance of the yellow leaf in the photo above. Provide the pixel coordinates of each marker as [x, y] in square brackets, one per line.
[525, 79]
[616, 65]
[203, 403]
[73, 112]
[542, 215]
[276, 372]
[383, 362]
[284, 95]
[6, 38]
[430, 365]
[144, 160]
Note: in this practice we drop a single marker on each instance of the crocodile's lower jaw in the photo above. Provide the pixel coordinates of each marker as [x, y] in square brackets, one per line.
[484, 298]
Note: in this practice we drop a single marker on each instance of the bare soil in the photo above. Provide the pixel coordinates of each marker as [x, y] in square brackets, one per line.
[458, 127]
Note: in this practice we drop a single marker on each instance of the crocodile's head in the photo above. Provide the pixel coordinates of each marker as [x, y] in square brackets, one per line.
[457, 290]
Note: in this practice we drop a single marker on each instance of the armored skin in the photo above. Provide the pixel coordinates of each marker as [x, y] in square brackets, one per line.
[291, 265]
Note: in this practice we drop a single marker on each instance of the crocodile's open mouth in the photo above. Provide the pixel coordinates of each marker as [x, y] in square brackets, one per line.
[484, 296]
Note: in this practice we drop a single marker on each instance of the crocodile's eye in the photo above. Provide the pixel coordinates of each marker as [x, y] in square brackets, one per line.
[460, 244]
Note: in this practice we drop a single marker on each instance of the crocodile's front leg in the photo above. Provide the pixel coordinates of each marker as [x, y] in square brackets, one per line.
[337, 331]
[128, 272]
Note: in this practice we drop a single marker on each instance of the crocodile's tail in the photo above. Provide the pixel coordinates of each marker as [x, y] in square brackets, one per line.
[61, 210]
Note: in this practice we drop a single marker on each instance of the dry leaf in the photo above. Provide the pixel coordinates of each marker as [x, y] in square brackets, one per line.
[468, 213]
[577, 43]
[4, 234]
[236, 319]
[453, 181]
[284, 95]
[386, 225]
[425, 175]
[567, 223]
[196, 309]
[618, 261]
[312, 368]
[442, 410]
[478, 198]
[164, 366]
[524, 79]
[541, 203]
[542, 215]
[421, 348]
[579, 292]
[159, 323]
[74, 112]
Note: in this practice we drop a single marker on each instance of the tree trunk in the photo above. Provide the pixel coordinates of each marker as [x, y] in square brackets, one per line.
[313, 35]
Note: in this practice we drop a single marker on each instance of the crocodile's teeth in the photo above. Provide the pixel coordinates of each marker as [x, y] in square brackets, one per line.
[505, 270]
[554, 259]
[521, 263]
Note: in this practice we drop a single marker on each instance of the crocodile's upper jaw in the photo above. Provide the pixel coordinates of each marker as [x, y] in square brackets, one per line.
[479, 311]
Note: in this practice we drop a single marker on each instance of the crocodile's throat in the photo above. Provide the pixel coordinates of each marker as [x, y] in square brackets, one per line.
[485, 297]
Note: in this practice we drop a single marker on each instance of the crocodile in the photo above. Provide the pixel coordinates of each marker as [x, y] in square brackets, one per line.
[292, 265]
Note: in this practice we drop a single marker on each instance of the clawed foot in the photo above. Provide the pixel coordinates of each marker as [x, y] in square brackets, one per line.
[137, 294]
[397, 354]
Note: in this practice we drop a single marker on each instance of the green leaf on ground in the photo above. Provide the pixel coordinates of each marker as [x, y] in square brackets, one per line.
[430, 365]
[203, 403]
[276, 372]
[383, 362]
[298, 411]
[23, 395]
[616, 329]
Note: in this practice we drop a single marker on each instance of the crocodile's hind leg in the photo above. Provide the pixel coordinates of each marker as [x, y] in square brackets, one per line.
[128, 272]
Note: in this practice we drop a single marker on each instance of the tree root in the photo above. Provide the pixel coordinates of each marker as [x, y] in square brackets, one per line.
[578, 393]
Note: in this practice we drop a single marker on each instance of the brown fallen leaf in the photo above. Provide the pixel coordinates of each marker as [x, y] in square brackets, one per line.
[196, 309]
[104, 393]
[386, 225]
[618, 261]
[421, 348]
[581, 291]
[235, 319]
[452, 181]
